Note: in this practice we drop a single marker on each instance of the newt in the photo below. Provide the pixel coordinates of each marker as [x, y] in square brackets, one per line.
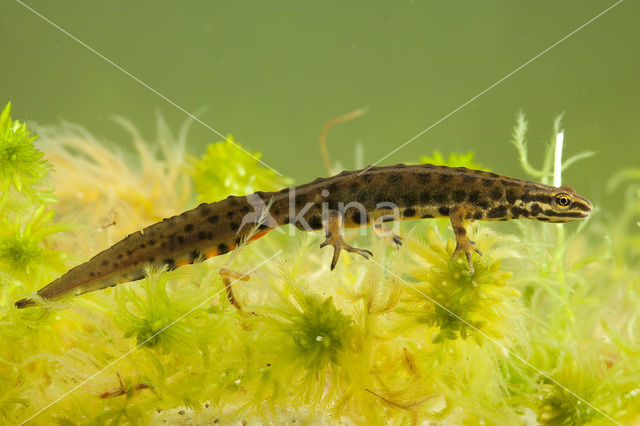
[349, 199]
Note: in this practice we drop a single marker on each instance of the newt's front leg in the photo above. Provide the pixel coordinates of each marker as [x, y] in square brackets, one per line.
[463, 243]
[333, 231]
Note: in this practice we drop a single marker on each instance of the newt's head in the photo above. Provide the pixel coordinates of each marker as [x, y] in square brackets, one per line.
[563, 205]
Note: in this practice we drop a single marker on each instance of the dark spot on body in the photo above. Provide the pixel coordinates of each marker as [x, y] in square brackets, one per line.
[194, 256]
[129, 252]
[466, 178]
[511, 196]
[444, 211]
[459, 195]
[354, 186]
[424, 177]
[526, 197]
[543, 198]
[171, 264]
[223, 248]
[315, 222]
[381, 197]
[202, 235]
[440, 197]
[427, 216]
[518, 211]
[478, 215]
[143, 245]
[496, 194]
[230, 214]
[180, 239]
[497, 212]
[210, 235]
[233, 201]
[152, 242]
[276, 212]
[334, 187]
[234, 226]
[105, 262]
[487, 182]
[543, 219]
[92, 274]
[460, 230]
[213, 219]
[474, 196]
[425, 197]
[120, 256]
[408, 198]
[188, 227]
[360, 218]
[444, 178]
[245, 209]
[301, 199]
[363, 197]
[367, 177]
[535, 209]
[410, 212]
[204, 209]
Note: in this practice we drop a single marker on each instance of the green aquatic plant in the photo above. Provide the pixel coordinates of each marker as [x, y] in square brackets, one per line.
[22, 168]
[225, 169]
[453, 302]
[307, 341]
[408, 337]
[454, 160]
[22, 242]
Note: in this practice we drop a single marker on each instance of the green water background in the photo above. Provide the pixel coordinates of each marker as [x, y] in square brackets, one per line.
[272, 73]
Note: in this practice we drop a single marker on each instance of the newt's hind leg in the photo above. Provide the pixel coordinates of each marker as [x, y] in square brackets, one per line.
[333, 231]
[228, 278]
[463, 243]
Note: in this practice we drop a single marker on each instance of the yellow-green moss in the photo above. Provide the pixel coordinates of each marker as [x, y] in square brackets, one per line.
[374, 342]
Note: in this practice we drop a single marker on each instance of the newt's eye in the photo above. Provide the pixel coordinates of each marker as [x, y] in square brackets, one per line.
[563, 201]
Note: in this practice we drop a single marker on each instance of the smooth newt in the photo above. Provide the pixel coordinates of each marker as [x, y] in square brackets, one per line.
[416, 191]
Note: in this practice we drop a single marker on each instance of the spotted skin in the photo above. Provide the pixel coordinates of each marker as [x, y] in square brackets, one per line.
[418, 191]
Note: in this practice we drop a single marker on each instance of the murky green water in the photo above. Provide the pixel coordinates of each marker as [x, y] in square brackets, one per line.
[273, 74]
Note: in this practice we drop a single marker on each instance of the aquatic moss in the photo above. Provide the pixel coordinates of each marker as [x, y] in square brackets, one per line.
[226, 169]
[532, 338]
[454, 160]
[22, 168]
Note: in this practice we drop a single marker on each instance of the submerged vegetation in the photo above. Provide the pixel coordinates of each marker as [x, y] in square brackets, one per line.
[546, 330]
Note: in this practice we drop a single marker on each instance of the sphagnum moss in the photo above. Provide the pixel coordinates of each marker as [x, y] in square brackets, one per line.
[356, 345]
